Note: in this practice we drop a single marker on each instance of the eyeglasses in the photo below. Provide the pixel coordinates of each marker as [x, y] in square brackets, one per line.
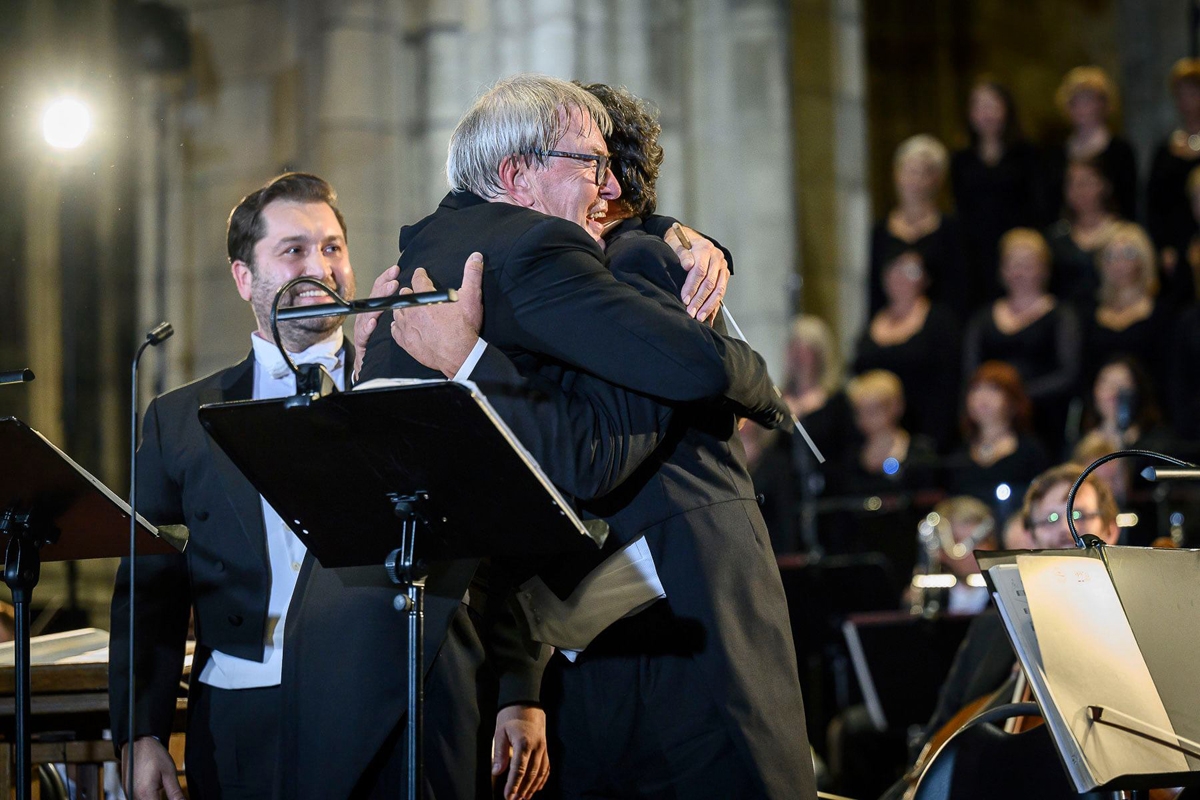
[1055, 518]
[602, 162]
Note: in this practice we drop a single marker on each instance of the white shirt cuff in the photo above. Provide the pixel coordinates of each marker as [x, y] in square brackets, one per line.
[468, 366]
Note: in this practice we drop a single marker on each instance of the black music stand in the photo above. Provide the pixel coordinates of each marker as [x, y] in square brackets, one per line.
[430, 457]
[51, 509]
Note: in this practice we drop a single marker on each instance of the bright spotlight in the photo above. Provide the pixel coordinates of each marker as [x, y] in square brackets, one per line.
[1003, 492]
[66, 123]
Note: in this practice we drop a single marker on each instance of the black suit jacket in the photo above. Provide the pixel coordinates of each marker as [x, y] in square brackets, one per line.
[688, 490]
[547, 291]
[693, 500]
[357, 699]
[184, 478]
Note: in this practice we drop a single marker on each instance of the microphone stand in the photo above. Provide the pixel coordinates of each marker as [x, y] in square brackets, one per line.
[1150, 473]
[154, 338]
[312, 380]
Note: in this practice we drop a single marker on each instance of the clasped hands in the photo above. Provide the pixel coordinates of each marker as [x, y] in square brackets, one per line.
[442, 336]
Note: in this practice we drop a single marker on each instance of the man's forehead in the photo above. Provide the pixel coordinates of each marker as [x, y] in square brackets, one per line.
[290, 218]
[582, 134]
[1056, 496]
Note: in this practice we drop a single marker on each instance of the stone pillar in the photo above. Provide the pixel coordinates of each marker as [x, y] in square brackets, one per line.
[852, 191]
[43, 300]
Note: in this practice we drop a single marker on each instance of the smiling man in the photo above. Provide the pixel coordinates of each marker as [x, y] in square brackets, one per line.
[242, 562]
[530, 187]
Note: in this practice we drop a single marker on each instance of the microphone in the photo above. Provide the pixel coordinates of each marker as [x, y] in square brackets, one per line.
[156, 336]
[1156, 474]
[16, 376]
[159, 334]
[366, 305]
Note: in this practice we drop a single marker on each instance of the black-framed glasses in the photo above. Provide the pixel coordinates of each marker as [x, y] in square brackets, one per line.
[602, 162]
[1055, 518]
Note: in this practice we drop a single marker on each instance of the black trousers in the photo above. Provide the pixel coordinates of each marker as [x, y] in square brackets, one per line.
[232, 743]
[631, 720]
[460, 719]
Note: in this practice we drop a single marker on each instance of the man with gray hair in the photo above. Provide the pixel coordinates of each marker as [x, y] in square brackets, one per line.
[525, 162]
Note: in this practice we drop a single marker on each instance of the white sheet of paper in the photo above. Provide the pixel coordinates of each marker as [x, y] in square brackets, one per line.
[1091, 658]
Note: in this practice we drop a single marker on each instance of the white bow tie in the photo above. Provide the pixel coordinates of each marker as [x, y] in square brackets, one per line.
[325, 353]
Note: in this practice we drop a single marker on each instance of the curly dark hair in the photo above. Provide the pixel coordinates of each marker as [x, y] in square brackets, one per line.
[633, 143]
[246, 226]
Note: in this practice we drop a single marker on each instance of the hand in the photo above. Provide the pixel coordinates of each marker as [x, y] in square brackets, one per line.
[521, 730]
[442, 336]
[154, 772]
[364, 324]
[708, 274]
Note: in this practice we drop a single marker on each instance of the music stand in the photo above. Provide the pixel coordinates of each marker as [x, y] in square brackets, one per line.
[1106, 637]
[52, 509]
[428, 456]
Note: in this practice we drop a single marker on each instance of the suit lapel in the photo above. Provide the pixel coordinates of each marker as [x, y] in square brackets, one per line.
[347, 363]
[237, 383]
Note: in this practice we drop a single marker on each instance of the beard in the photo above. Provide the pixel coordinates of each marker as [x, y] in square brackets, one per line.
[297, 334]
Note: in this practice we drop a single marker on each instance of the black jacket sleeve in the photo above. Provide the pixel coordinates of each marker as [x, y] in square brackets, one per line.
[563, 303]
[587, 435]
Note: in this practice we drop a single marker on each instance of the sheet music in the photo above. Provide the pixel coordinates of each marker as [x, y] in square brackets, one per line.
[1091, 657]
[1013, 604]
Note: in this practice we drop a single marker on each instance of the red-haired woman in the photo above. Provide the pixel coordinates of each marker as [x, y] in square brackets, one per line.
[1001, 456]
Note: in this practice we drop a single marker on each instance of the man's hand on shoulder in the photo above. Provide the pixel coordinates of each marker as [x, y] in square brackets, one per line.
[520, 748]
[442, 336]
[154, 771]
[364, 324]
[707, 269]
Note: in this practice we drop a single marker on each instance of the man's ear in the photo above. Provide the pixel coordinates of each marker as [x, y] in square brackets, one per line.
[515, 178]
[243, 277]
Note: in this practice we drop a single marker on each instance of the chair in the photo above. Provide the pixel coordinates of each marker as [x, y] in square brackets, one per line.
[982, 762]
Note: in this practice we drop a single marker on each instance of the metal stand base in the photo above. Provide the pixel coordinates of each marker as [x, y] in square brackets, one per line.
[22, 569]
[410, 576]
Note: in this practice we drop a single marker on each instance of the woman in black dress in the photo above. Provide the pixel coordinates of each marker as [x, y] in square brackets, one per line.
[1029, 329]
[916, 223]
[1076, 239]
[1169, 210]
[1128, 319]
[1001, 456]
[889, 459]
[997, 182]
[784, 470]
[1087, 98]
[917, 339]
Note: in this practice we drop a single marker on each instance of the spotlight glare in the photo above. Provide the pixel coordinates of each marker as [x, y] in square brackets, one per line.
[66, 123]
[1003, 492]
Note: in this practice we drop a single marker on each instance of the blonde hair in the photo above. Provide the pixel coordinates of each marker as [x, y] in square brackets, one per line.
[1193, 181]
[963, 508]
[1026, 237]
[1092, 79]
[873, 384]
[1185, 69]
[812, 331]
[925, 147]
[1135, 235]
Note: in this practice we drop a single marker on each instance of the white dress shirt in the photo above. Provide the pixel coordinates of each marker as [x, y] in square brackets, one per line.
[273, 378]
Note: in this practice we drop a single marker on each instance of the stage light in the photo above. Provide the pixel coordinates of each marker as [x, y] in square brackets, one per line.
[1003, 492]
[66, 123]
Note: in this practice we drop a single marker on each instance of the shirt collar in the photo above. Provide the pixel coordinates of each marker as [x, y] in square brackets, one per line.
[327, 352]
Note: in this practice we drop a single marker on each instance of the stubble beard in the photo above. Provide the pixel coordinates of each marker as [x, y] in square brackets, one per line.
[297, 335]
